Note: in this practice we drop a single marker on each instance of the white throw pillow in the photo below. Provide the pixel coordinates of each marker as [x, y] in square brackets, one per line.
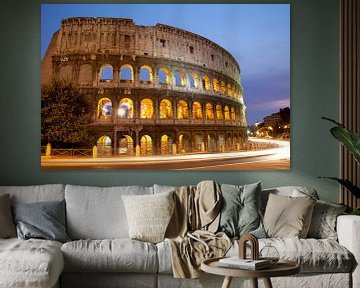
[149, 215]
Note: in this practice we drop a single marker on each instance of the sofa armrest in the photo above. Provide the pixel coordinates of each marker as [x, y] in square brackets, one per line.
[348, 230]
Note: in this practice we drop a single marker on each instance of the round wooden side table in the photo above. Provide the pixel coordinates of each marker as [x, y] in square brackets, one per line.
[281, 268]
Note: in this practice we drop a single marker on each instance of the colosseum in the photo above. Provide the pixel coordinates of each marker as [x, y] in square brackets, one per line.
[154, 89]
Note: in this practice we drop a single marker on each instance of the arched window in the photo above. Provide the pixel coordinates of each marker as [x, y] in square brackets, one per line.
[165, 109]
[104, 109]
[126, 108]
[227, 113]
[232, 114]
[146, 145]
[104, 145]
[106, 73]
[179, 79]
[164, 76]
[146, 109]
[197, 111]
[146, 74]
[126, 73]
[193, 80]
[219, 112]
[126, 145]
[209, 115]
[182, 110]
[229, 90]
[223, 87]
[165, 144]
[216, 85]
[205, 82]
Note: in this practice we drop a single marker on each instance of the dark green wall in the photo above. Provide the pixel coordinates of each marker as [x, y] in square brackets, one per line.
[314, 93]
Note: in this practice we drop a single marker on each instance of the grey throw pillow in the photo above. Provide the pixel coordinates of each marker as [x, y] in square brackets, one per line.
[44, 220]
[7, 226]
[240, 213]
[323, 222]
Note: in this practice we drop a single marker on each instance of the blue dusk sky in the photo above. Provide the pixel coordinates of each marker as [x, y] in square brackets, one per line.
[257, 35]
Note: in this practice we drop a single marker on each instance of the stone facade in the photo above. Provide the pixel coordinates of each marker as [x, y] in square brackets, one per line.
[154, 89]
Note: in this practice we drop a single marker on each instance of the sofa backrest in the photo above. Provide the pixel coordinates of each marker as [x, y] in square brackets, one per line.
[98, 212]
[35, 193]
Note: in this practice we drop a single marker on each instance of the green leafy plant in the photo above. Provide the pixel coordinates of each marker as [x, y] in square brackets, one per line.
[351, 141]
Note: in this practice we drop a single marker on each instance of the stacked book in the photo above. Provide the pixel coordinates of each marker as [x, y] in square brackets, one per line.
[248, 264]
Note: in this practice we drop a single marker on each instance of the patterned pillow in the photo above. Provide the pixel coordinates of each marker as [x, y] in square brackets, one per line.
[323, 222]
[149, 215]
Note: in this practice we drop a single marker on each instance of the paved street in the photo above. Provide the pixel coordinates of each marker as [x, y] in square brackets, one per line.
[269, 159]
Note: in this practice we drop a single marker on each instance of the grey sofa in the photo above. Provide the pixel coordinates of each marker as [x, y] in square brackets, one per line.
[101, 254]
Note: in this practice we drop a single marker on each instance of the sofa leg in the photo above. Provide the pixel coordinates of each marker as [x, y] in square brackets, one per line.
[227, 282]
[267, 283]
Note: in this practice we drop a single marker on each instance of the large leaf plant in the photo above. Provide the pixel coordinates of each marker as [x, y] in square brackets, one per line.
[351, 141]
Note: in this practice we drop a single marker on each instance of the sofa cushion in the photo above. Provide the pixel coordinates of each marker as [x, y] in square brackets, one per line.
[240, 210]
[323, 222]
[98, 213]
[43, 220]
[149, 215]
[35, 193]
[117, 255]
[7, 226]
[30, 263]
[287, 216]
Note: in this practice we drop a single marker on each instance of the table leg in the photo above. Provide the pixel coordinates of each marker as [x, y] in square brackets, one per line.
[227, 282]
[254, 282]
[267, 283]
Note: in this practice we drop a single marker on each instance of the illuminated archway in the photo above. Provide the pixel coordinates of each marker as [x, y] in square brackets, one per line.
[209, 112]
[227, 113]
[216, 85]
[146, 145]
[229, 90]
[165, 109]
[104, 109]
[126, 145]
[165, 144]
[219, 112]
[179, 78]
[146, 74]
[106, 73]
[104, 145]
[126, 72]
[146, 109]
[223, 87]
[232, 114]
[164, 76]
[205, 82]
[182, 110]
[184, 143]
[193, 80]
[197, 111]
[126, 109]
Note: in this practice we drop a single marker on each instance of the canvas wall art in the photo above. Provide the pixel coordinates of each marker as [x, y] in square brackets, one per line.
[165, 86]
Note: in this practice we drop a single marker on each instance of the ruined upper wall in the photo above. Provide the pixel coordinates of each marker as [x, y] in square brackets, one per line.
[121, 36]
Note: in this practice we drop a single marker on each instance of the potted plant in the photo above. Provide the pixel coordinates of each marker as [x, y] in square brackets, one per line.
[351, 141]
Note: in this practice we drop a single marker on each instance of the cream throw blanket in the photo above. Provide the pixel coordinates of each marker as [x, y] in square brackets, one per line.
[191, 231]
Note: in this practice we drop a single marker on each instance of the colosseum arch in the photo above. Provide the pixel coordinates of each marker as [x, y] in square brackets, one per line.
[209, 111]
[126, 73]
[219, 112]
[65, 72]
[104, 109]
[205, 82]
[104, 145]
[184, 143]
[85, 73]
[106, 73]
[164, 75]
[166, 142]
[182, 110]
[223, 87]
[146, 74]
[146, 108]
[126, 145]
[232, 114]
[165, 109]
[126, 108]
[193, 80]
[226, 113]
[197, 112]
[216, 85]
[146, 146]
[179, 78]
[229, 90]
